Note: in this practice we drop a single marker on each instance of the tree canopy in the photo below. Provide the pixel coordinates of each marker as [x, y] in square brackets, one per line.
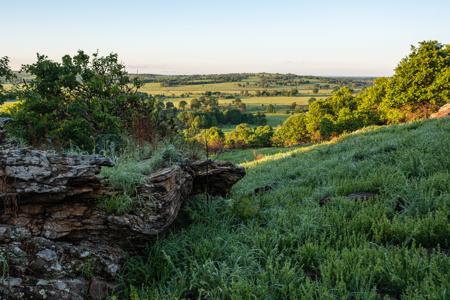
[83, 101]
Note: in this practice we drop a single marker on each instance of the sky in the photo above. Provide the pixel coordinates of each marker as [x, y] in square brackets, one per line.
[334, 38]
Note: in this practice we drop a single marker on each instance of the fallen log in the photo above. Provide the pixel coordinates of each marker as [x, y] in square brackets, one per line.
[55, 238]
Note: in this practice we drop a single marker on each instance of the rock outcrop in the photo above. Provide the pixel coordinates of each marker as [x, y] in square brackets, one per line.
[3, 122]
[443, 112]
[56, 242]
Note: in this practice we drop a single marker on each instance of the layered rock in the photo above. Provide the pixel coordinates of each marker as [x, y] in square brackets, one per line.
[55, 240]
[3, 122]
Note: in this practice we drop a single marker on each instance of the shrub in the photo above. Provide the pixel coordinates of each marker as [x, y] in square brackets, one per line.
[82, 99]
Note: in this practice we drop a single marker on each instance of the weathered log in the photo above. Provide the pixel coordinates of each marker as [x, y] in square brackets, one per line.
[53, 230]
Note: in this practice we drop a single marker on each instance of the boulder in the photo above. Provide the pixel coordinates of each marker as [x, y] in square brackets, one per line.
[58, 243]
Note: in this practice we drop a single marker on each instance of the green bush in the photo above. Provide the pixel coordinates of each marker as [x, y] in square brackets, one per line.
[80, 100]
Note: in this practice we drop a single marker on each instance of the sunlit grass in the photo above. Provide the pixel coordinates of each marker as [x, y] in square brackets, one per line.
[289, 229]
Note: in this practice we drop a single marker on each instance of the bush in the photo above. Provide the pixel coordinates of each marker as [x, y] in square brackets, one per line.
[81, 99]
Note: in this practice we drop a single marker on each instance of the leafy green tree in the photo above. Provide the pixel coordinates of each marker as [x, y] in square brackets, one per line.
[241, 137]
[369, 101]
[170, 105]
[182, 105]
[233, 116]
[5, 75]
[263, 136]
[213, 137]
[195, 104]
[84, 101]
[292, 132]
[421, 83]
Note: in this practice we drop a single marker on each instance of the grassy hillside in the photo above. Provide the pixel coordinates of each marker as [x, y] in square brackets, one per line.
[303, 236]
[364, 217]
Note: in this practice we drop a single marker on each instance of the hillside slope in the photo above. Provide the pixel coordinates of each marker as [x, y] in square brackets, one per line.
[365, 217]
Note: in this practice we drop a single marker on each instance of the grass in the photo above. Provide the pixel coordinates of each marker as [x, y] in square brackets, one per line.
[130, 171]
[225, 87]
[304, 238]
[249, 155]
[276, 119]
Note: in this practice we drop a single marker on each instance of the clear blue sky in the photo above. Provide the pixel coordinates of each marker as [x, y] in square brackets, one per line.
[184, 37]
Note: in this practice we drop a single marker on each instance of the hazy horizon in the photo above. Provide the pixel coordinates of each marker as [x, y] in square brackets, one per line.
[349, 38]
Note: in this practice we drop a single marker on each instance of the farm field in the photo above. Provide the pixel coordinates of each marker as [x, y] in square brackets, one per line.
[329, 225]
[250, 84]
[7, 105]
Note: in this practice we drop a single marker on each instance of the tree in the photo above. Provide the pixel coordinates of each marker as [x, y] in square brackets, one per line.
[233, 116]
[270, 109]
[241, 137]
[369, 101]
[5, 75]
[213, 137]
[170, 105]
[195, 104]
[292, 132]
[263, 136]
[85, 102]
[182, 105]
[421, 83]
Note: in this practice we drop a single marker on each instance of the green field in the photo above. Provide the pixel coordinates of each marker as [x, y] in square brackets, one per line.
[7, 105]
[246, 90]
[364, 217]
[231, 87]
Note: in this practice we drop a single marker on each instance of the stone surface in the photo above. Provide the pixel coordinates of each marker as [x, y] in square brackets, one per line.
[58, 243]
[3, 122]
[443, 112]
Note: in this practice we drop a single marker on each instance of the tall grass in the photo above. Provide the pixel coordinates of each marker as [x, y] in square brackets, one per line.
[287, 243]
[136, 162]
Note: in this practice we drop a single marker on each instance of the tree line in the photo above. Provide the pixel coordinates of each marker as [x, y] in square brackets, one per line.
[89, 101]
[419, 86]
